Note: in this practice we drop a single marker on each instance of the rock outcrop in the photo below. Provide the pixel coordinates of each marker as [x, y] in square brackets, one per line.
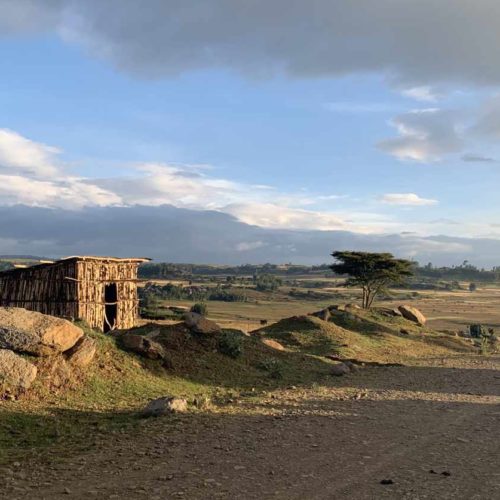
[16, 374]
[142, 345]
[412, 314]
[82, 353]
[35, 333]
[199, 324]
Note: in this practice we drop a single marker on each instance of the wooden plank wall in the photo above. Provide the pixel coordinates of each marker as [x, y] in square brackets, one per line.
[74, 290]
[42, 289]
[92, 279]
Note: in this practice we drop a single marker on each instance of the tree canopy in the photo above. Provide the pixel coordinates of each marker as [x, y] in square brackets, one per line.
[372, 272]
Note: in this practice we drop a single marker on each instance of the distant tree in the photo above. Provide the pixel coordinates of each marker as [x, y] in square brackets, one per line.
[267, 282]
[472, 287]
[200, 308]
[373, 272]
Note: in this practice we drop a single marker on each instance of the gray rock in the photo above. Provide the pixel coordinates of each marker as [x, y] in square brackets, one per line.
[324, 314]
[385, 311]
[199, 324]
[164, 406]
[35, 333]
[340, 369]
[16, 374]
[352, 366]
[82, 353]
[142, 345]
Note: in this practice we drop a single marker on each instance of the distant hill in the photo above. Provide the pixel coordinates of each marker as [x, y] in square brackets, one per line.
[21, 257]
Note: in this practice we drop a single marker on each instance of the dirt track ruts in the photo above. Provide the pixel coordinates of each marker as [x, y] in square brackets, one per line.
[395, 423]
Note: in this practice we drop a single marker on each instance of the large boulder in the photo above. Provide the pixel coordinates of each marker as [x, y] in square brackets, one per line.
[199, 324]
[35, 333]
[164, 406]
[16, 374]
[142, 345]
[412, 314]
[82, 353]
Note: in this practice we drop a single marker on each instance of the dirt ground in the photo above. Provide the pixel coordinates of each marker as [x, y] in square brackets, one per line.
[432, 429]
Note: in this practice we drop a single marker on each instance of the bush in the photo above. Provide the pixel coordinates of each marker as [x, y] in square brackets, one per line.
[200, 308]
[477, 331]
[272, 366]
[231, 344]
[267, 282]
[225, 295]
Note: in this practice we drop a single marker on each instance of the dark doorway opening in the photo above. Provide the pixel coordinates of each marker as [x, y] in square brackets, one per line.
[110, 306]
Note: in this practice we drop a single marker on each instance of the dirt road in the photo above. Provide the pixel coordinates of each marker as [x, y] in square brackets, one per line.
[433, 431]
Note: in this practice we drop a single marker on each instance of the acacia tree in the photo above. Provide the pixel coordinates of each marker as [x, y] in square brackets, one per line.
[373, 272]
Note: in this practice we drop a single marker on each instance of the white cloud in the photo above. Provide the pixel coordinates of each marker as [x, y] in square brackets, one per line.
[408, 199]
[31, 175]
[157, 184]
[70, 192]
[423, 93]
[275, 216]
[424, 136]
[20, 154]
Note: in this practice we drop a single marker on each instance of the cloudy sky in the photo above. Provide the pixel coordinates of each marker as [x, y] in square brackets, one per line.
[302, 126]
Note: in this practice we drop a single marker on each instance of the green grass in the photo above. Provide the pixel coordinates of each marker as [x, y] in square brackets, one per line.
[364, 335]
[105, 398]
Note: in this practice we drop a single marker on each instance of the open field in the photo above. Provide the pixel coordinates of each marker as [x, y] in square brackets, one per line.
[453, 310]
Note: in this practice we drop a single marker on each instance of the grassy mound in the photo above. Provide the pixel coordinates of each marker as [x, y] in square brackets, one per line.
[364, 335]
[104, 398]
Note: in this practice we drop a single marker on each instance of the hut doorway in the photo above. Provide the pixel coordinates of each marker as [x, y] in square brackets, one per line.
[110, 306]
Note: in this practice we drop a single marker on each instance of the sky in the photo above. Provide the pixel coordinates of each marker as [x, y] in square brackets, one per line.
[303, 126]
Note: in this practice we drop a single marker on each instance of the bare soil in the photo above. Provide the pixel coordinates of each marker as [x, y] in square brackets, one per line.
[431, 430]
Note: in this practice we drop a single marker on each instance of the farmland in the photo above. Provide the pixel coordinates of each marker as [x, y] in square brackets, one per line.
[445, 310]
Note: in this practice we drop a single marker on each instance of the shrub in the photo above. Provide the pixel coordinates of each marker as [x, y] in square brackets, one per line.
[267, 282]
[231, 344]
[477, 331]
[200, 308]
[272, 366]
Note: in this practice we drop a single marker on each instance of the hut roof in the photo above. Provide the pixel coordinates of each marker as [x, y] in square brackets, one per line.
[106, 259]
[21, 270]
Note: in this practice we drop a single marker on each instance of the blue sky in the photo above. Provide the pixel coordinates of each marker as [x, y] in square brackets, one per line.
[282, 121]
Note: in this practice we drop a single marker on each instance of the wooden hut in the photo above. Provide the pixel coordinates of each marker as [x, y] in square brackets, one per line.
[100, 290]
